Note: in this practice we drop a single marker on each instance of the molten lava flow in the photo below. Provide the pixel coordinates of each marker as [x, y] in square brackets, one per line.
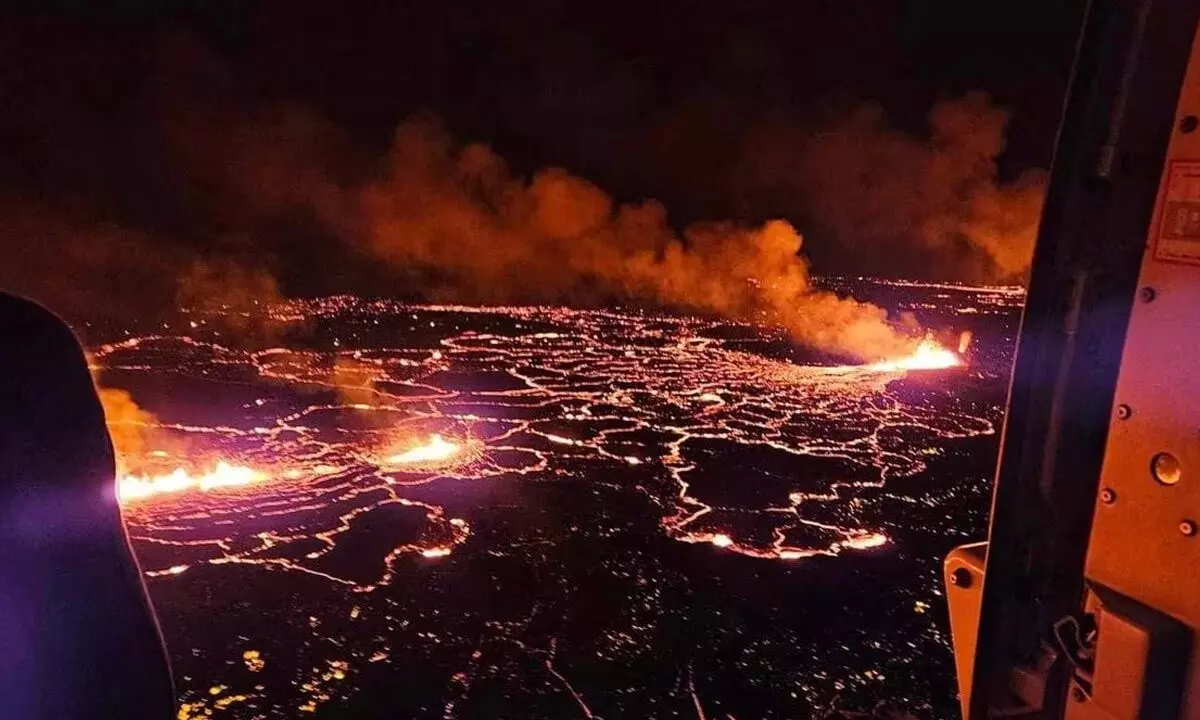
[865, 541]
[606, 389]
[435, 451]
[964, 341]
[136, 487]
[721, 540]
[929, 355]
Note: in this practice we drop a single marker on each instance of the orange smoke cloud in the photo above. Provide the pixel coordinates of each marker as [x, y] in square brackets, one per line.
[491, 236]
[84, 268]
[452, 221]
[355, 380]
[139, 440]
[233, 297]
[95, 272]
[132, 428]
[868, 185]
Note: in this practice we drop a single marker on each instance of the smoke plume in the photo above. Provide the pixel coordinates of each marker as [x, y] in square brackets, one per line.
[877, 191]
[489, 235]
[355, 380]
[136, 432]
[86, 269]
[251, 204]
[234, 297]
[131, 427]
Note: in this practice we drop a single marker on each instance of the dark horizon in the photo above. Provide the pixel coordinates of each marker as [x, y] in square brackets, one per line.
[198, 129]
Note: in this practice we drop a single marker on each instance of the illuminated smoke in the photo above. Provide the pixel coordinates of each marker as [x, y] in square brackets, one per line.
[138, 437]
[878, 192]
[232, 297]
[452, 222]
[354, 380]
[94, 272]
[81, 266]
[488, 235]
[132, 428]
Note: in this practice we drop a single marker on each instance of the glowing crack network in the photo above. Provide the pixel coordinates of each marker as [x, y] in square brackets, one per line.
[341, 460]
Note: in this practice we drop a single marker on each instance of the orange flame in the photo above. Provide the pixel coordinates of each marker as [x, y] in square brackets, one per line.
[133, 487]
[436, 450]
[865, 541]
[929, 355]
[721, 540]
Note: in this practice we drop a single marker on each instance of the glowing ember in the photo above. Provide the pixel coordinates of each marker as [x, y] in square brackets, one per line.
[435, 552]
[964, 341]
[173, 570]
[929, 355]
[437, 450]
[136, 487]
[721, 540]
[864, 542]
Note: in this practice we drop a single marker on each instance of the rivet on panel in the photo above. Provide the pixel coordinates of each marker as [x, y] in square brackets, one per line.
[1187, 528]
[961, 577]
[1124, 411]
[1188, 124]
[1165, 468]
[1147, 294]
[1108, 496]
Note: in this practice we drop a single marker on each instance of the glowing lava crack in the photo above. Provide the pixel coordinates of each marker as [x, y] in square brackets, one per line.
[364, 441]
[131, 487]
[434, 453]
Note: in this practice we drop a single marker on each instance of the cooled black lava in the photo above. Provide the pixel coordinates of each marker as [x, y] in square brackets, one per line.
[540, 512]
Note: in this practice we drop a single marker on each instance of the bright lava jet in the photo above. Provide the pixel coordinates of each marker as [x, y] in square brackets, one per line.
[135, 487]
[436, 451]
[929, 355]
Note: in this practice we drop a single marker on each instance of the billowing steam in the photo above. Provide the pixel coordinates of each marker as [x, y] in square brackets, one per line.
[131, 427]
[354, 380]
[83, 268]
[269, 202]
[491, 236]
[232, 296]
[875, 190]
[94, 272]
[137, 433]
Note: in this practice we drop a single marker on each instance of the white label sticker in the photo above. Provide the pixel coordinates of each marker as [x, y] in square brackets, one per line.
[1179, 223]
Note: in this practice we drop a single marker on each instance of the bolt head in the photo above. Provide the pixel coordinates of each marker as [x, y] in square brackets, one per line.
[1147, 294]
[1187, 528]
[1108, 496]
[1124, 411]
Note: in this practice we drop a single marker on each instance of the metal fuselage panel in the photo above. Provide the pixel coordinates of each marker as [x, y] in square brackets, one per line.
[1140, 545]
[1144, 541]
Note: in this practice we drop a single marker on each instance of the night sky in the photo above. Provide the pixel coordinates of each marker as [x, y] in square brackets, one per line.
[644, 99]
